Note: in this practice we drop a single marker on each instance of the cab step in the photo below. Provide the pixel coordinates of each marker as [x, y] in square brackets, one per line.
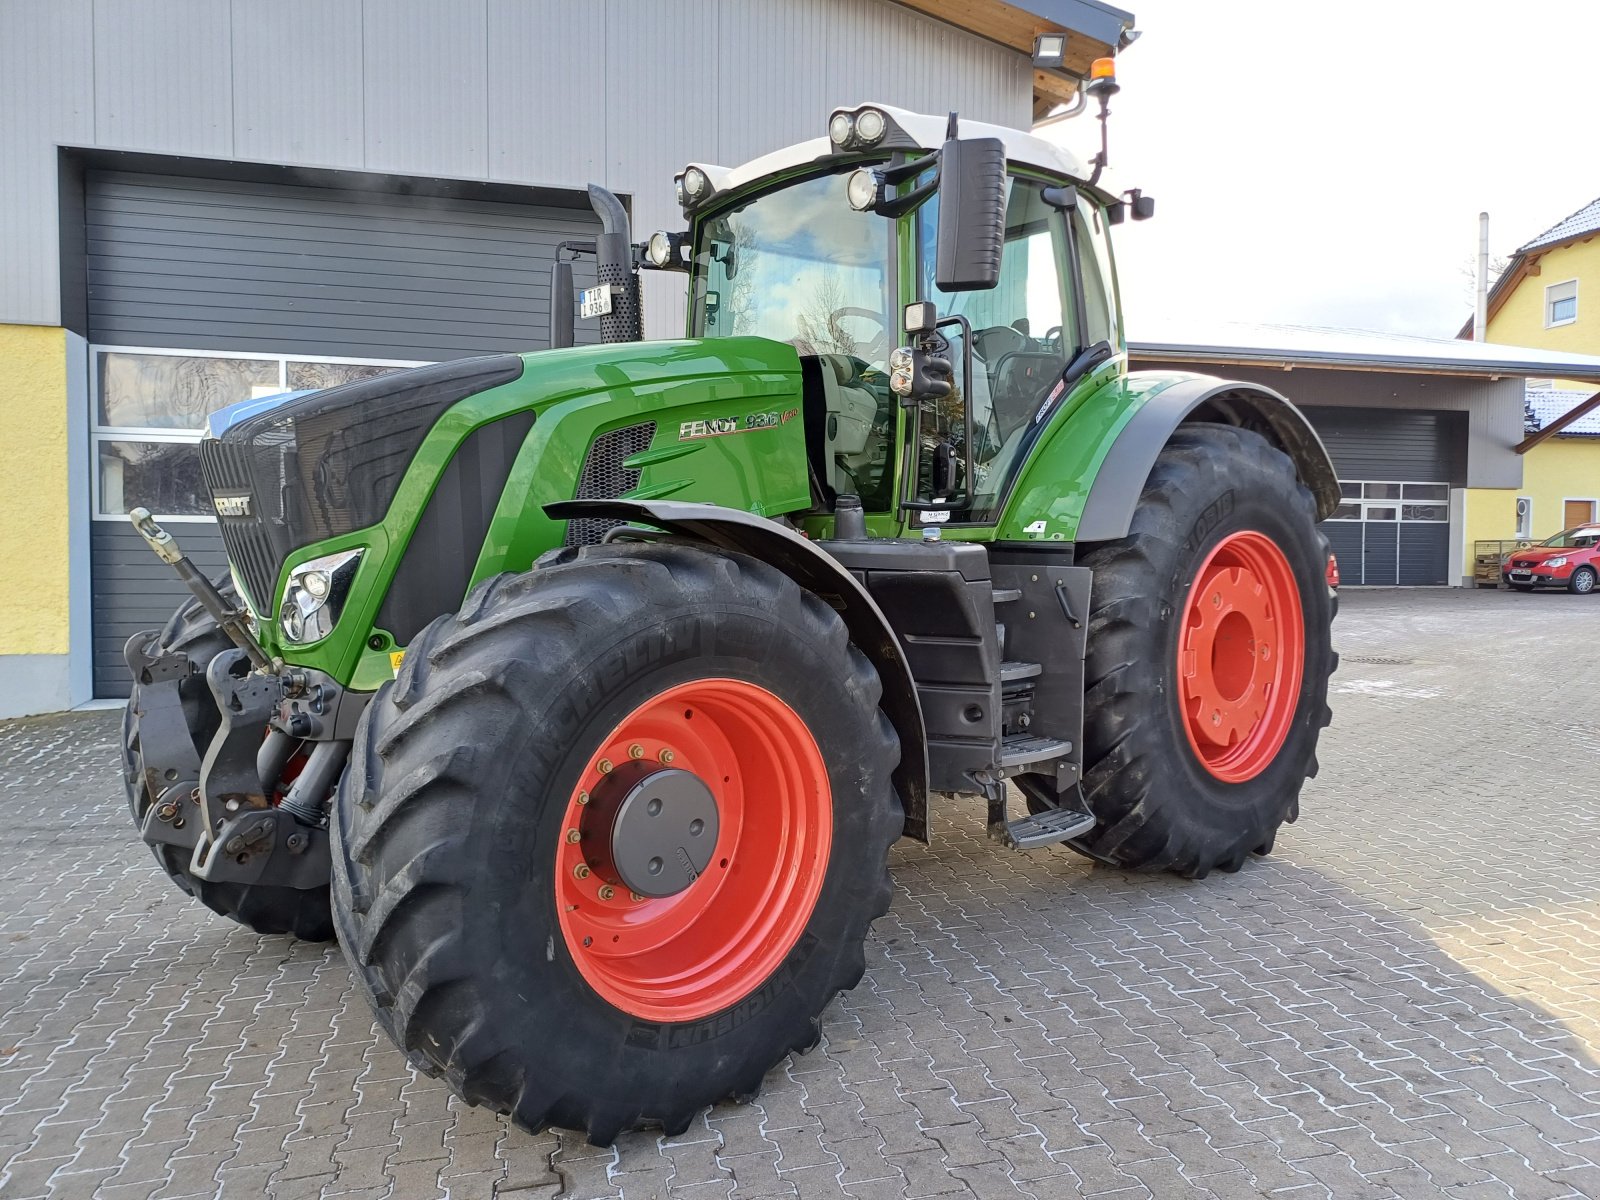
[1021, 751]
[1007, 595]
[1010, 672]
[1049, 827]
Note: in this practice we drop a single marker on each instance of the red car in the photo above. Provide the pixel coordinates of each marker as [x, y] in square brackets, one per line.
[1571, 560]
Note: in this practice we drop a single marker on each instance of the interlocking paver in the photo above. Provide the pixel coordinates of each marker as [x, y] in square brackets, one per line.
[1403, 1000]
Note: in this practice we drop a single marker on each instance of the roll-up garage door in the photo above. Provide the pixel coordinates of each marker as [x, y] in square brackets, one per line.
[203, 292]
[1396, 469]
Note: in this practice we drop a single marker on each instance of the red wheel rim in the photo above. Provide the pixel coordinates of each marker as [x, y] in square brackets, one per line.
[1241, 656]
[689, 955]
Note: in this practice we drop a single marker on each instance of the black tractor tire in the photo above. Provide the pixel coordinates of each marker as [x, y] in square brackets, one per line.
[1582, 581]
[453, 814]
[262, 908]
[1160, 807]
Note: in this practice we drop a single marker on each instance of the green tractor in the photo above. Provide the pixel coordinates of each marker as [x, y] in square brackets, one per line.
[582, 693]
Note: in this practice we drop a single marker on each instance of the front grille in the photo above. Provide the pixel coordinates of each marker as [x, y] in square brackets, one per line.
[226, 470]
[331, 462]
[604, 477]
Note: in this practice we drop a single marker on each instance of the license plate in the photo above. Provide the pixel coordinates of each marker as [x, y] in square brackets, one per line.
[1521, 576]
[595, 301]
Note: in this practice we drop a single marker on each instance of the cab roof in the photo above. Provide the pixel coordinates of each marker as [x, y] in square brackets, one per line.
[922, 132]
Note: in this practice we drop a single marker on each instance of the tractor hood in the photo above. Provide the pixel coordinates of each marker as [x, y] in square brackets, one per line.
[300, 469]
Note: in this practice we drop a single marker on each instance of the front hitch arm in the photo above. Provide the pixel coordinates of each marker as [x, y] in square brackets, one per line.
[228, 618]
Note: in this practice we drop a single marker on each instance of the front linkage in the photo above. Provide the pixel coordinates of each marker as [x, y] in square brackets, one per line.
[248, 807]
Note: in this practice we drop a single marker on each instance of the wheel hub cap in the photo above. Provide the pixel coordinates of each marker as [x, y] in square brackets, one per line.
[658, 828]
[1241, 652]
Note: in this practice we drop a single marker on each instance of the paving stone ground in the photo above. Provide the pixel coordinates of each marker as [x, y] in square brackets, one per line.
[1404, 1000]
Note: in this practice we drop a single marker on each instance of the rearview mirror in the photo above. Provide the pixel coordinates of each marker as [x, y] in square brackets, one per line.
[972, 214]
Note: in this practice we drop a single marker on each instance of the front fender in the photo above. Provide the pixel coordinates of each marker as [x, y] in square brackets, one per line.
[1084, 479]
[816, 571]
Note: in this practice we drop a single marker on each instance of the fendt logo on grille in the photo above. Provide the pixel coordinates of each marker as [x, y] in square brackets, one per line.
[232, 506]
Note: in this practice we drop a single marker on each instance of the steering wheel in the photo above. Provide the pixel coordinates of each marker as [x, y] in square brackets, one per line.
[873, 351]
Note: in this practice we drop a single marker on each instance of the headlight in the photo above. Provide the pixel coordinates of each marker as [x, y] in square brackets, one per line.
[870, 124]
[315, 595]
[695, 183]
[862, 189]
[841, 128]
[1555, 562]
[659, 248]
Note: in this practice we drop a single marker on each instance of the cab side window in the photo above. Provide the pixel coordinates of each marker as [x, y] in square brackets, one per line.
[1022, 329]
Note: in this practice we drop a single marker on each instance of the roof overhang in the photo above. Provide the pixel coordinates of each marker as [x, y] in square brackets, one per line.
[1094, 30]
[1294, 346]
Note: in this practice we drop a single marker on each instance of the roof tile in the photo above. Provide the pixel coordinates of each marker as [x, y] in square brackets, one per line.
[1547, 404]
[1585, 220]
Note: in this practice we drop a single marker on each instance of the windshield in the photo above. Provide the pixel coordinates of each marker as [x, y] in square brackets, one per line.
[798, 265]
[1580, 538]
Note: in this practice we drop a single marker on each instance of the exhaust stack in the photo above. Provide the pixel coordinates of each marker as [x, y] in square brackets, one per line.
[613, 254]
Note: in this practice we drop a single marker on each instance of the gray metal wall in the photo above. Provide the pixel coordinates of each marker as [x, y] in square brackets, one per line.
[555, 93]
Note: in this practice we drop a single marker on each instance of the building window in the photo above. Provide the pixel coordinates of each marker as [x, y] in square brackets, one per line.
[150, 408]
[1364, 500]
[1561, 303]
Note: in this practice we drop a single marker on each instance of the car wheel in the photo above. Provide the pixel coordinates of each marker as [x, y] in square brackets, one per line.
[1582, 581]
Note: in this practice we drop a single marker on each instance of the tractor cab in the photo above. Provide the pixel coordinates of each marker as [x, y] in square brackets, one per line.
[995, 243]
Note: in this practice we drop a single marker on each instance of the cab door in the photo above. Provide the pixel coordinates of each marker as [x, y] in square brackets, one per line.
[1024, 332]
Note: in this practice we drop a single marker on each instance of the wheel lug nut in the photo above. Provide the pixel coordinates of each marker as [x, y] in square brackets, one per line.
[636, 751]
[583, 797]
[666, 756]
[635, 897]
[574, 836]
[581, 870]
[607, 891]
[605, 766]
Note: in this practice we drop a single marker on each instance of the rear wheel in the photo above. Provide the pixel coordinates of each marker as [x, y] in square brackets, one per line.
[1208, 659]
[260, 907]
[1582, 581]
[614, 837]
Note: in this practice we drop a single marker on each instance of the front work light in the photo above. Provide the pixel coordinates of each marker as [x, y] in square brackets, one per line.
[862, 189]
[695, 183]
[870, 124]
[315, 594]
[841, 129]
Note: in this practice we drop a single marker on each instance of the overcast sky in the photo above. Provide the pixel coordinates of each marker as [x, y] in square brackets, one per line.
[1326, 163]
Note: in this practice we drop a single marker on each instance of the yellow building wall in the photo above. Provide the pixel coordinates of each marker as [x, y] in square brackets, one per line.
[1520, 321]
[1559, 468]
[34, 489]
[1554, 471]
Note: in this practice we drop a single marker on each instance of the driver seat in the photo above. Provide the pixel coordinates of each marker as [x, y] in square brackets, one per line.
[849, 411]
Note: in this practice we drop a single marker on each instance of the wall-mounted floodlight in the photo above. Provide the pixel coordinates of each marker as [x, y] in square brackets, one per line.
[1050, 50]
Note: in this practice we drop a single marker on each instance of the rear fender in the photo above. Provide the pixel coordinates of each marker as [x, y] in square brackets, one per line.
[1118, 484]
[816, 571]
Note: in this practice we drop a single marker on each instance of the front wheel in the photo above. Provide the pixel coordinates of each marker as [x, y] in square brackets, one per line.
[614, 837]
[1582, 581]
[1208, 659]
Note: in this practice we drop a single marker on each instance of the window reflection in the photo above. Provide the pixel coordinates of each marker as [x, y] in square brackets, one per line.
[168, 391]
